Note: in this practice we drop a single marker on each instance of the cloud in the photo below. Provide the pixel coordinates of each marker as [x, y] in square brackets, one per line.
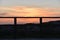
[30, 11]
[3, 13]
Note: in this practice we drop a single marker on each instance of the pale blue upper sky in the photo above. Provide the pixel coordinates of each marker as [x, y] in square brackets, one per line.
[39, 3]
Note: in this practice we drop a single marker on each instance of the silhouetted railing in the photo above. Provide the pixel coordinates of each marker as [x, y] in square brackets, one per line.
[15, 18]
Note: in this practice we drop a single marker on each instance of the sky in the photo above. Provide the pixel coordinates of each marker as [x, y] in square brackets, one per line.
[40, 3]
[29, 8]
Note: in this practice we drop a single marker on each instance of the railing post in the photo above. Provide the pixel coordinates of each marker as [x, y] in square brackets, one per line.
[41, 27]
[40, 20]
[15, 21]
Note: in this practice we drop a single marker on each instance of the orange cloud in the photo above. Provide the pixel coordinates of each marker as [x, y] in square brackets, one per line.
[30, 11]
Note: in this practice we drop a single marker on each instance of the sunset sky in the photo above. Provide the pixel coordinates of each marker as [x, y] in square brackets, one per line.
[29, 8]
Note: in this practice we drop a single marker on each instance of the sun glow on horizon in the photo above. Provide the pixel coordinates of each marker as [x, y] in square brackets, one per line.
[23, 11]
[29, 11]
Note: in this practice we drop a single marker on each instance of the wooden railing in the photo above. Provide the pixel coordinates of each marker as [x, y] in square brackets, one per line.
[15, 18]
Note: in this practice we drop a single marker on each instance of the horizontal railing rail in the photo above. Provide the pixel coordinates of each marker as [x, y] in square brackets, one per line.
[29, 17]
[15, 18]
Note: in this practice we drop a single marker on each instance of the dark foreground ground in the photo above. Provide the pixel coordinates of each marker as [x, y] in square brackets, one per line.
[22, 32]
[39, 31]
[33, 39]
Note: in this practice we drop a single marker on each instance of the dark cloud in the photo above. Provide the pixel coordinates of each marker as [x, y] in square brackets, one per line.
[3, 13]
